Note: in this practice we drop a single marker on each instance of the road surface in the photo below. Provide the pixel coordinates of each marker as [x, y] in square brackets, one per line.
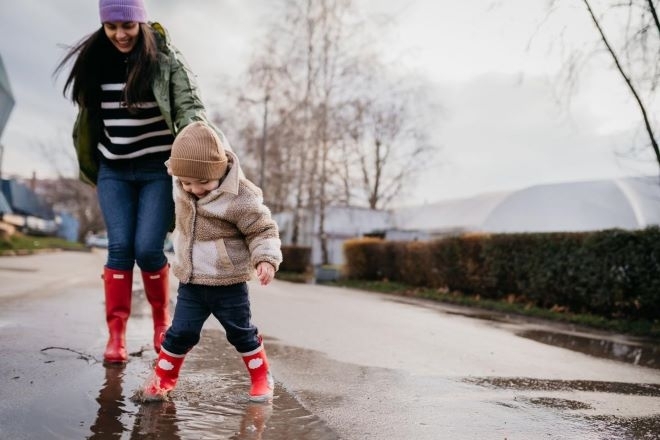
[348, 364]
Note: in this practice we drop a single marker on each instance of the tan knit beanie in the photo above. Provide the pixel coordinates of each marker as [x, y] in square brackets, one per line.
[197, 153]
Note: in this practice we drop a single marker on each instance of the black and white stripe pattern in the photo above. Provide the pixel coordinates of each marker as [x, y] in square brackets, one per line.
[129, 135]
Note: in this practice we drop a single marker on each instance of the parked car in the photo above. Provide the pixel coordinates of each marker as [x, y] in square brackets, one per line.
[99, 240]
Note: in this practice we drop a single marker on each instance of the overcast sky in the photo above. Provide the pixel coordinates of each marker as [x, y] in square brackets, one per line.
[501, 129]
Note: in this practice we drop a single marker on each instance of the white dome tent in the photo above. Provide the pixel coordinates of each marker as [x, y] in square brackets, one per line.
[628, 203]
[578, 206]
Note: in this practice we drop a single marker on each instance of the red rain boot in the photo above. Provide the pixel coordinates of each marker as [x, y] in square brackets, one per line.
[118, 286]
[164, 377]
[157, 291]
[262, 381]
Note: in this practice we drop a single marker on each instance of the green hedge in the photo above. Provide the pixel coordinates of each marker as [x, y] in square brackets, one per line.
[611, 273]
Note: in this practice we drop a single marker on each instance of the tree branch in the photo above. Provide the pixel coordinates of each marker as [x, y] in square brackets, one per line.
[642, 108]
[654, 14]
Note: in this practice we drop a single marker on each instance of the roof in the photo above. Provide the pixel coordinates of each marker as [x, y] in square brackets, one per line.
[450, 215]
[24, 201]
[627, 203]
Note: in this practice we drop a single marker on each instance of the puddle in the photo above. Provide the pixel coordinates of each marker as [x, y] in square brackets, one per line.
[577, 412]
[209, 402]
[552, 402]
[646, 355]
[525, 383]
[634, 428]
[480, 315]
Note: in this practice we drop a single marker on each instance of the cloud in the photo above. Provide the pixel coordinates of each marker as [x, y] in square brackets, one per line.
[499, 129]
[501, 133]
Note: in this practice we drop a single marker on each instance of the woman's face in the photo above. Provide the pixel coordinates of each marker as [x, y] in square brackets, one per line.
[123, 35]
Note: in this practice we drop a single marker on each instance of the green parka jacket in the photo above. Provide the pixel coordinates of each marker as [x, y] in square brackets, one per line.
[176, 93]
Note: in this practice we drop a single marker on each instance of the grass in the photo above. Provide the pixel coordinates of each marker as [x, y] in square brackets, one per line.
[643, 328]
[19, 244]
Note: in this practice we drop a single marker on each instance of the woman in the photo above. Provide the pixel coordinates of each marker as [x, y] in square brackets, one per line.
[134, 93]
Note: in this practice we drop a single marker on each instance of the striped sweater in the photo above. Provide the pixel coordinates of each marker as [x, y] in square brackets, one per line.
[126, 134]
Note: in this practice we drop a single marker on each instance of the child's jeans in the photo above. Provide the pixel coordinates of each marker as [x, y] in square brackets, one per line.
[229, 304]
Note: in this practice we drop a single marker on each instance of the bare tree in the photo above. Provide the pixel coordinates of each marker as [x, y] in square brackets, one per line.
[632, 42]
[69, 194]
[289, 73]
[322, 122]
[388, 127]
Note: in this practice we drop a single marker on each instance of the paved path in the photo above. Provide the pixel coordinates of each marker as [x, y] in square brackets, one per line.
[348, 364]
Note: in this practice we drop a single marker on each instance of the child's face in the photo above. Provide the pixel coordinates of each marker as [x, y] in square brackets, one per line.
[199, 188]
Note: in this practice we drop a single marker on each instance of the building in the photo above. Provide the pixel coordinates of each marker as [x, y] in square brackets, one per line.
[342, 223]
[627, 203]
[28, 212]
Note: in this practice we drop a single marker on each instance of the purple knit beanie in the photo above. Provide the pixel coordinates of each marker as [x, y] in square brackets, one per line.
[122, 10]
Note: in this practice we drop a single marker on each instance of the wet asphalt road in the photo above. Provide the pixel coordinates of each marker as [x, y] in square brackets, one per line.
[348, 365]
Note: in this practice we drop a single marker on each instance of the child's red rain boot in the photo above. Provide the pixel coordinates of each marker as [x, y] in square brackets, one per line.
[262, 381]
[157, 289]
[164, 377]
[118, 285]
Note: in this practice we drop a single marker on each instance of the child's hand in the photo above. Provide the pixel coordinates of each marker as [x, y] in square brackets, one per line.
[265, 272]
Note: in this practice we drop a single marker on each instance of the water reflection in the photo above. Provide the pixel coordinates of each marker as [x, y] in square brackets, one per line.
[210, 402]
[108, 422]
[114, 414]
[253, 423]
[533, 384]
[590, 409]
[647, 355]
[156, 420]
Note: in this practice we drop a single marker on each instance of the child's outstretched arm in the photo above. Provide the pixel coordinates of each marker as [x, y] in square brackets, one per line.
[265, 272]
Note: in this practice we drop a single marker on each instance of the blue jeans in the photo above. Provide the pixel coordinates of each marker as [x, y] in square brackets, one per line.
[138, 209]
[195, 303]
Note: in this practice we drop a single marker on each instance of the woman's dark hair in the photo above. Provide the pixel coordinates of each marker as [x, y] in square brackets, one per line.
[89, 55]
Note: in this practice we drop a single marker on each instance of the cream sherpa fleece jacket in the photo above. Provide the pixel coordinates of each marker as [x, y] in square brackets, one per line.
[220, 238]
